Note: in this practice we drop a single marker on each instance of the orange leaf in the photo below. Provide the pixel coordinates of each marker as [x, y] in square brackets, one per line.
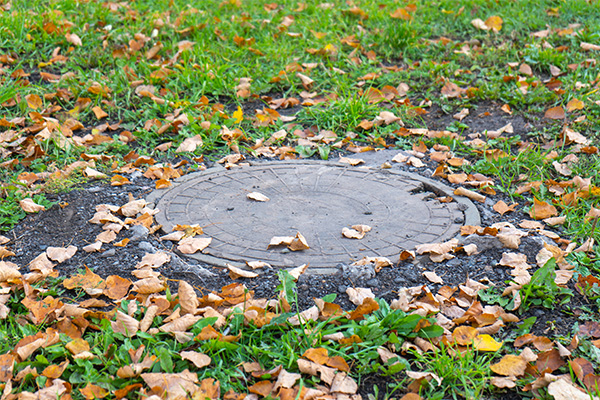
[542, 210]
[555, 113]
[91, 392]
[118, 180]
[99, 113]
[318, 355]
[502, 208]
[262, 388]
[339, 363]
[55, 371]
[77, 346]
[116, 287]
[33, 101]
[464, 335]
[163, 184]
[368, 306]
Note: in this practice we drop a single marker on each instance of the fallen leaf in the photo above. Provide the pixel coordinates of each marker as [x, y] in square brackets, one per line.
[502, 208]
[358, 295]
[235, 272]
[542, 210]
[172, 386]
[73, 39]
[561, 389]
[485, 342]
[256, 196]
[191, 245]
[91, 391]
[200, 360]
[461, 191]
[575, 104]
[555, 113]
[351, 161]
[29, 206]
[510, 365]
[299, 243]
[433, 277]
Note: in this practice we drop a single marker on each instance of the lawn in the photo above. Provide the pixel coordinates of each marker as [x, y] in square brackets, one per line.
[499, 100]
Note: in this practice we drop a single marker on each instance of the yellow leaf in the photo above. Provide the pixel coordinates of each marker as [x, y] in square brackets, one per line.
[238, 115]
[510, 365]
[33, 101]
[494, 22]
[575, 104]
[486, 343]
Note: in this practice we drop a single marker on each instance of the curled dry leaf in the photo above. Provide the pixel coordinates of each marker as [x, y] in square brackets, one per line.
[357, 231]
[258, 264]
[256, 196]
[351, 161]
[29, 206]
[173, 386]
[92, 173]
[501, 382]
[235, 272]
[461, 191]
[358, 295]
[125, 324]
[188, 300]
[173, 236]
[296, 272]
[299, 243]
[90, 248]
[502, 208]
[342, 383]
[433, 277]
[561, 389]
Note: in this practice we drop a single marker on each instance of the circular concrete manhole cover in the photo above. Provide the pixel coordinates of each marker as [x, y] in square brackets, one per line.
[317, 199]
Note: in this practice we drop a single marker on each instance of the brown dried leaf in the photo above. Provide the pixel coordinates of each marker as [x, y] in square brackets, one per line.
[61, 254]
[29, 206]
[191, 245]
[235, 272]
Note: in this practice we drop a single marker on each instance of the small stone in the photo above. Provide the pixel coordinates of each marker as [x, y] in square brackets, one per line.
[147, 247]
[455, 262]
[483, 243]
[43, 247]
[108, 253]
[135, 175]
[94, 189]
[358, 272]
[399, 279]
[138, 232]
[342, 288]
[373, 282]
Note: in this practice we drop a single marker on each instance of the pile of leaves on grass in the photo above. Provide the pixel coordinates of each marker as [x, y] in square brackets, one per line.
[93, 337]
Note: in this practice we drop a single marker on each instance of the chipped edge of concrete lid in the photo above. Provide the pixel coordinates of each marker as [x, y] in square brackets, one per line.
[467, 207]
